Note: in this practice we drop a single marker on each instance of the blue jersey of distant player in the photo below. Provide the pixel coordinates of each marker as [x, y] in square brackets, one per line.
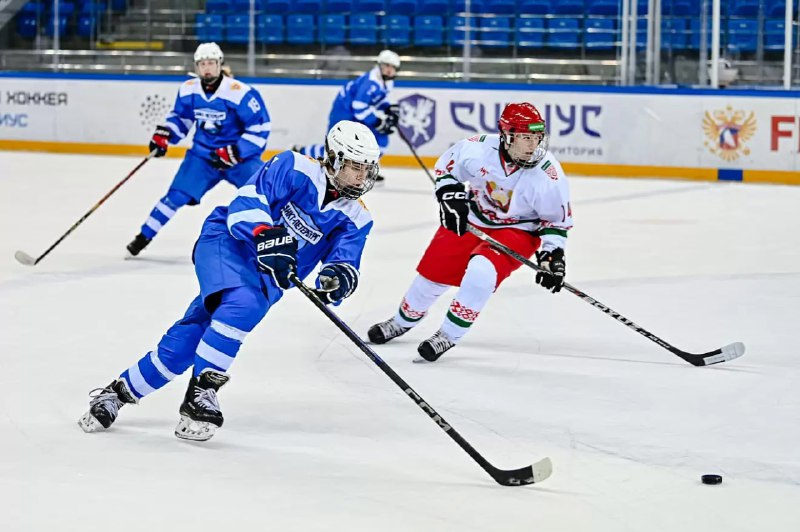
[234, 114]
[289, 191]
[359, 99]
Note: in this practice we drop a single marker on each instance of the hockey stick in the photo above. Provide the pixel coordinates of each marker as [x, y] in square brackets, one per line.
[723, 354]
[27, 260]
[515, 477]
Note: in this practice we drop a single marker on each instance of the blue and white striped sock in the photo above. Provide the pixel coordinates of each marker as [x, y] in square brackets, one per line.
[218, 347]
[147, 375]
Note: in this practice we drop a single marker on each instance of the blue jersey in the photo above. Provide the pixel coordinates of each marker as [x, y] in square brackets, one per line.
[361, 97]
[234, 114]
[289, 191]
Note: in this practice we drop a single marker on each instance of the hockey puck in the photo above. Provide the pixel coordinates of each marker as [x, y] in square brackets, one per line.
[711, 480]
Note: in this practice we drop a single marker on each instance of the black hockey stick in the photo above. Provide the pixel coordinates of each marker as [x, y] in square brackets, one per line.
[723, 354]
[515, 477]
[27, 260]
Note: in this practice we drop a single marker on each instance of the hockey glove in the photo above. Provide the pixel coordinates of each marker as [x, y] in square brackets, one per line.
[552, 262]
[225, 157]
[453, 208]
[335, 282]
[160, 141]
[277, 254]
[387, 124]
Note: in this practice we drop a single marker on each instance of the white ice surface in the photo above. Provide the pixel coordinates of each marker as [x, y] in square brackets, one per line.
[317, 438]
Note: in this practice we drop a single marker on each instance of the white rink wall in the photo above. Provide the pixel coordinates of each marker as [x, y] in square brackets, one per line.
[636, 132]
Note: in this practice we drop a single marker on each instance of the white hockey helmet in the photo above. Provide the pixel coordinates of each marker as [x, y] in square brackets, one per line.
[350, 144]
[388, 57]
[209, 50]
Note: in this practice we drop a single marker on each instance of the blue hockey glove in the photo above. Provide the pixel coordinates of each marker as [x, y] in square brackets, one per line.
[335, 282]
[277, 254]
[554, 266]
[225, 157]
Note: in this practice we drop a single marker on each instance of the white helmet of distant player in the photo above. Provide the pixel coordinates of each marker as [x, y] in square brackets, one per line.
[208, 59]
[389, 63]
[351, 158]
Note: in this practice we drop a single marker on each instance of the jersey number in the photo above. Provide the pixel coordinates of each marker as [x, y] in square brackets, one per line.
[254, 105]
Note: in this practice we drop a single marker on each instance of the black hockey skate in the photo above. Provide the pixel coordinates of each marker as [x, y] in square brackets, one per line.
[104, 406]
[435, 346]
[382, 332]
[138, 243]
[200, 412]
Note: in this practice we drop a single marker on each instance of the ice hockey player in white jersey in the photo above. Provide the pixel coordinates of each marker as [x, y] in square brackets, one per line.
[292, 215]
[231, 130]
[518, 194]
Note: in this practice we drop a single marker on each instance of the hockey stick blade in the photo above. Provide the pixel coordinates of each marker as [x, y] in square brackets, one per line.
[724, 354]
[24, 258]
[531, 474]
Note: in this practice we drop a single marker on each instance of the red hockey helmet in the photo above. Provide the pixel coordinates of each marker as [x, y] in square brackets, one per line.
[523, 134]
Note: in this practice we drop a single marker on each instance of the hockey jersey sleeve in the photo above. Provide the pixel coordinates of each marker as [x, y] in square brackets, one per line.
[181, 118]
[554, 208]
[252, 206]
[255, 119]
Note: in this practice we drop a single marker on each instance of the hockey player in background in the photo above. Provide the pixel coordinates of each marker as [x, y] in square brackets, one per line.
[293, 214]
[231, 130]
[518, 194]
[366, 100]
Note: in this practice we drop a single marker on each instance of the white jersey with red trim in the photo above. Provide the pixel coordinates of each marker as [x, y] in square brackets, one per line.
[532, 199]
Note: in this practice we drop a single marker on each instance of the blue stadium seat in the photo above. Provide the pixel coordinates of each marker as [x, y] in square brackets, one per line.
[339, 6]
[433, 7]
[530, 32]
[27, 25]
[401, 7]
[428, 30]
[242, 7]
[676, 8]
[694, 34]
[237, 28]
[568, 7]
[218, 6]
[31, 8]
[600, 34]
[398, 30]
[370, 6]
[777, 9]
[208, 28]
[534, 7]
[494, 32]
[332, 29]
[742, 35]
[119, 5]
[275, 7]
[300, 29]
[62, 28]
[476, 6]
[745, 8]
[774, 34]
[456, 31]
[606, 8]
[501, 7]
[87, 26]
[642, 7]
[312, 7]
[363, 29]
[269, 29]
[96, 8]
[563, 32]
[674, 33]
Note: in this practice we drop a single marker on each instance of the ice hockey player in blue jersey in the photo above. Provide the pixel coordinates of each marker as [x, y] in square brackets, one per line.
[292, 215]
[231, 129]
[366, 100]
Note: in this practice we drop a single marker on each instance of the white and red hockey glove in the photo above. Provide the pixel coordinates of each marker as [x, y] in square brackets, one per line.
[160, 141]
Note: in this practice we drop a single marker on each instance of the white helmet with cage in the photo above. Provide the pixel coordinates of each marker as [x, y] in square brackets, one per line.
[388, 57]
[351, 154]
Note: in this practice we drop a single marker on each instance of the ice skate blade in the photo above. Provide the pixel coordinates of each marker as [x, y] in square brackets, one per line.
[89, 423]
[189, 429]
[419, 360]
